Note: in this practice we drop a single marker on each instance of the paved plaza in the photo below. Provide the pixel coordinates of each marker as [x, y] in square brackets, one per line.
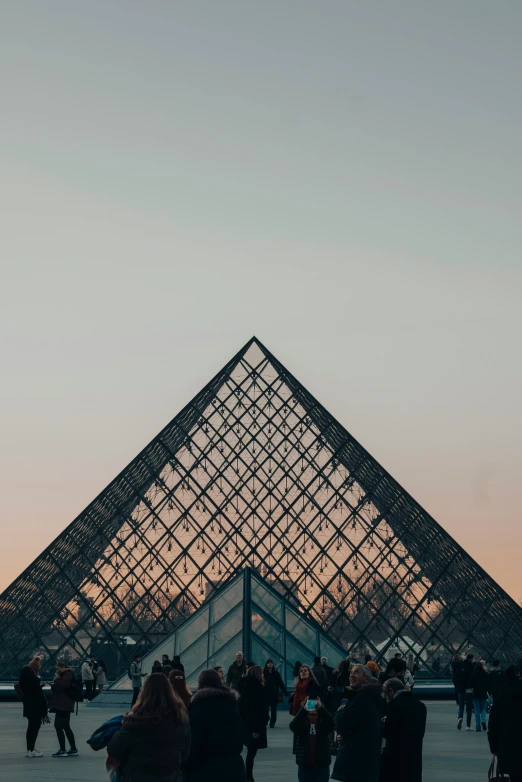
[448, 754]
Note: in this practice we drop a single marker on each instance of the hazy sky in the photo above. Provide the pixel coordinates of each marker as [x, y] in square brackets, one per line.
[342, 179]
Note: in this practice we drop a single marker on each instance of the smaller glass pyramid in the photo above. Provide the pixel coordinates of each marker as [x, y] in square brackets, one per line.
[247, 614]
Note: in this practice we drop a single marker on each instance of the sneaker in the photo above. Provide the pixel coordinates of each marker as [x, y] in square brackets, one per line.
[468, 728]
[60, 754]
[73, 753]
[33, 754]
[484, 726]
[459, 724]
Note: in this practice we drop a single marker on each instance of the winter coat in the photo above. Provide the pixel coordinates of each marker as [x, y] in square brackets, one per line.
[359, 723]
[462, 675]
[479, 683]
[300, 726]
[497, 680]
[235, 674]
[34, 701]
[505, 727]
[87, 672]
[60, 698]
[151, 750]
[102, 735]
[329, 673]
[177, 664]
[273, 686]
[254, 708]
[135, 674]
[322, 679]
[306, 688]
[217, 737]
[403, 730]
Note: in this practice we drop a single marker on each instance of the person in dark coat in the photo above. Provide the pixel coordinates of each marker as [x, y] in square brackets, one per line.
[497, 679]
[274, 685]
[62, 706]
[236, 671]
[479, 683]
[254, 707]
[359, 725]
[35, 705]
[455, 665]
[217, 733]
[505, 726]
[154, 739]
[329, 670]
[404, 729]
[177, 664]
[320, 676]
[306, 687]
[311, 729]
[461, 678]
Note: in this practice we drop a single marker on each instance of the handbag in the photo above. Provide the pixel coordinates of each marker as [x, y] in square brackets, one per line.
[280, 697]
[494, 773]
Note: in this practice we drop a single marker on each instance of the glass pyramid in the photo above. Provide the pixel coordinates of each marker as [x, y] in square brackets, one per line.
[254, 472]
[244, 615]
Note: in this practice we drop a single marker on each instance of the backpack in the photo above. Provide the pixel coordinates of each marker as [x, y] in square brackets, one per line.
[75, 691]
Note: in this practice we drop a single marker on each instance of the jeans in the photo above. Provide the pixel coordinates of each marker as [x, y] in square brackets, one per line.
[466, 700]
[479, 707]
[249, 762]
[62, 726]
[313, 773]
[33, 727]
[89, 690]
[135, 693]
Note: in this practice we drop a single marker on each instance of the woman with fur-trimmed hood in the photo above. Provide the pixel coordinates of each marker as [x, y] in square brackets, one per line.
[154, 739]
[217, 733]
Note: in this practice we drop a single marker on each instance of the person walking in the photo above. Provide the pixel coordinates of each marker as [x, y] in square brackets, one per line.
[306, 687]
[359, 726]
[320, 676]
[136, 675]
[217, 733]
[236, 671]
[462, 676]
[479, 684]
[101, 675]
[404, 729]
[88, 679]
[311, 728]
[254, 707]
[497, 679]
[62, 706]
[455, 665]
[505, 726]
[154, 740]
[179, 685]
[275, 689]
[34, 703]
[177, 664]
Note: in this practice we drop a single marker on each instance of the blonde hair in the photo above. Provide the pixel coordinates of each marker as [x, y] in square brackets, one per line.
[34, 665]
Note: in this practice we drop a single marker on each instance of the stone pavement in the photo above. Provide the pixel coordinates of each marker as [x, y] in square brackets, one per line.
[448, 754]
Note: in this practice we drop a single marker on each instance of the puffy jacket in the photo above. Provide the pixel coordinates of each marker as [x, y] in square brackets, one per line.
[60, 699]
[300, 726]
[87, 672]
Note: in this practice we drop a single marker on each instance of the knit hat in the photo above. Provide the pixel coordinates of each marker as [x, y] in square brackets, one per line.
[374, 668]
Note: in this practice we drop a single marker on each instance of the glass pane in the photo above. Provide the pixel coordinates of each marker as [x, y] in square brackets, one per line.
[295, 652]
[227, 654]
[227, 599]
[191, 630]
[197, 656]
[269, 632]
[333, 652]
[301, 630]
[289, 682]
[260, 655]
[221, 634]
[271, 604]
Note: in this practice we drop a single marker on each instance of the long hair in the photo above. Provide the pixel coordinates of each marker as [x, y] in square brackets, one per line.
[265, 669]
[297, 668]
[311, 674]
[157, 699]
[34, 664]
[257, 673]
[179, 685]
[210, 678]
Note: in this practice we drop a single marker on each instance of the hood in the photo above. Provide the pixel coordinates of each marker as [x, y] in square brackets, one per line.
[208, 693]
[371, 690]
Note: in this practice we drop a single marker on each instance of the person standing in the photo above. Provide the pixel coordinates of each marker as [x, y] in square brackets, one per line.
[329, 670]
[216, 733]
[273, 686]
[462, 676]
[220, 672]
[295, 672]
[34, 703]
[165, 662]
[455, 665]
[136, 676]
[179, 685]
[311, 729]
[88, 679]
[177, 664]
[505, 726]
[404, 729]
[236, 671]
[306, 687]
[62, 706]
[320, 675]
[154, 740]
[101, 675]
[254, 706]
[479, 683]
[359, 726]
[497, 679]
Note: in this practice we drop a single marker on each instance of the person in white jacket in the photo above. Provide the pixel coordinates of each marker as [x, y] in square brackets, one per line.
[88, 679]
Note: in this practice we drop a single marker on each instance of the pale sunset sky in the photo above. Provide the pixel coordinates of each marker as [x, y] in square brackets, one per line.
[342, 179]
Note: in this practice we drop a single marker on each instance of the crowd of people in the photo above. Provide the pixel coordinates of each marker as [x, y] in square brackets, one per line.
[366, 720]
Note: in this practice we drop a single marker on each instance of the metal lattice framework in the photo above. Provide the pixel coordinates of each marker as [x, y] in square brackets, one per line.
[255, 472]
